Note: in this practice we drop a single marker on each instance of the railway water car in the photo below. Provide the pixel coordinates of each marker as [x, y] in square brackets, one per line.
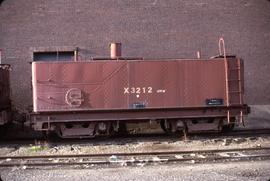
[92, 97]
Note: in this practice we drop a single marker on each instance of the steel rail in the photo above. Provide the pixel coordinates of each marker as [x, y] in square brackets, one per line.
[240, 132]
[134, 153]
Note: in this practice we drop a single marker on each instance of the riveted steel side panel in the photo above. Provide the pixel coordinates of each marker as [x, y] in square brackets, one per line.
[95, 85]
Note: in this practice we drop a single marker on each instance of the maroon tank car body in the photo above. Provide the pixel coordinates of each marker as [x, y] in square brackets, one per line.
[85, 98]
[5, 103]
[103, 85]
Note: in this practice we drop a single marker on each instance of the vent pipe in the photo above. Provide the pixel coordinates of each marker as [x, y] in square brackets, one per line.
[198, 55]
[115, 50]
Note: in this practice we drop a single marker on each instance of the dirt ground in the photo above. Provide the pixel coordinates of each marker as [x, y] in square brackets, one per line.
[116, 146]
[217, 171]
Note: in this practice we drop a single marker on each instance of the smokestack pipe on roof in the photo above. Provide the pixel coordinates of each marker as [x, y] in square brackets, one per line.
[115, 49]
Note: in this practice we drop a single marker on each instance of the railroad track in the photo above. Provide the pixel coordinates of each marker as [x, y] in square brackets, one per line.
[158, 138]
[139, 158]
[240, 133]
[246, 132]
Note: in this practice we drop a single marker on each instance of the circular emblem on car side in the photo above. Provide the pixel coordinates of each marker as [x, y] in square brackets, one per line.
[74, 97]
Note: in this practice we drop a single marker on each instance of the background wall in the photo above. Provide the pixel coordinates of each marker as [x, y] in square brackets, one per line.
[146, 28]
